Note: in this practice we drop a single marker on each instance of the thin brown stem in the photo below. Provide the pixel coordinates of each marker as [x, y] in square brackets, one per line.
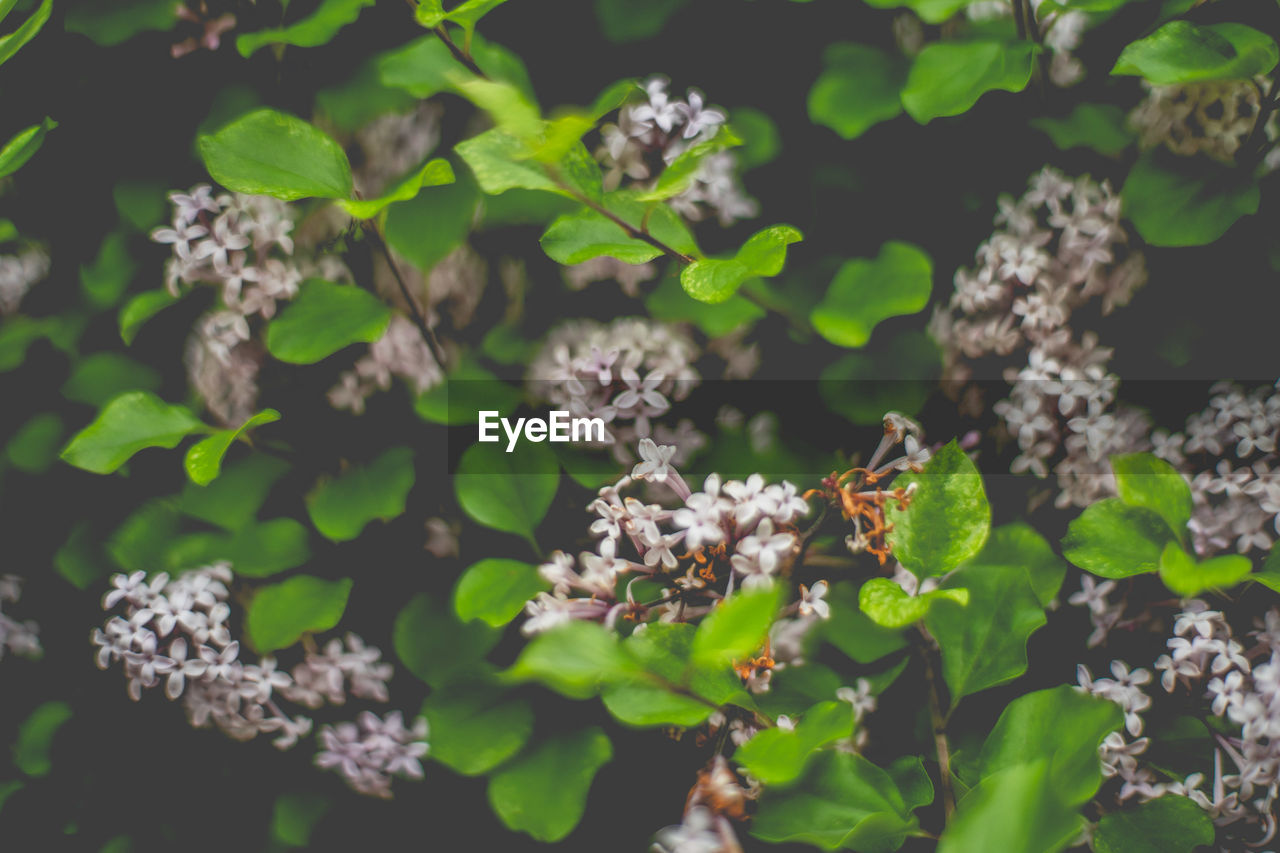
[939, 721]
[458, 53]
[371, 230]
[631, 230]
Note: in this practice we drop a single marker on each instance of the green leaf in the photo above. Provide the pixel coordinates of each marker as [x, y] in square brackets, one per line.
[860, 86]
[140, 203]
[544, 792]
[948, 518]
[204, 458]
[468, 14]
[576, 659]
[501, 161]
[1101, 127]
[580, 236]
[436, 647]
[715, 280]
[425, 67]
[107, 278]
[26, 31]
[425, 229]
[510, 492]
[323, 318]
[930, 11]
[294, 817]
[760, 140]
[898, 377]
[852, 631]
[433, 173]
[99, 377]
[476, 727]
[32, 751]
[776, 756]
[948, 78]
[1185, 52]
[1162, 825]
[1148, 481]
[8, 789]
[665, 652]
[646, 706]
[1015, 809]
[315, 30]
[843, 801]
[35, 445]
[131, 422]
[109, 24]
[467, 390]
[141, 308]
[341, 508]
[886, 604]
[1060, 726]
[1191, 205]
[1185, 577]
[1019, 545]
[985, 644]
[361, 98]
[281, 613]
[254, 551]
[495, 590]
[80, 559]
[140, 542]
[23, 146]
[8, 231]
[511, 110]
[232, 501]
[1114, 540]
[863, 293]
[669, 302]
[271, 153]
[736, 628]
[634, 20]
[681, 173]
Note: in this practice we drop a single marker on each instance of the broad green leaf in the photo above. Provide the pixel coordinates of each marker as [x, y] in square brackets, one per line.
[8, 789]
[948, 518]
[140, 542]
[852, 631]
[716, 279]
[436, 647]
[1185, 204]
[425, 67]
[141, 308]
[1168, 824]
[633, 20]
[576, 659]
[340, 508]
[99, 377]
[495, 590]
[777, 756]
[26, 31]
[133, 421]
[1098, 126]
[681, 173]
[32, 751]
[499, 162]
[141, 203]
[323, 318]
[109, 24]
[585, 234]
[544, 791]
[665, 651]
[294, 817]
[23, 146]
[272, 153]
[736, 628]
[913, 781]
[985, 644]
[647, 705]
[467, 390]
[204, 458]
[1185, 577]
[1019, 545]
[1185, 52]
[425, 229]
[860, 86]
[760, 140]
[107, 278]
[476, 727]
[468, 13]
[18, 332]
[35, 445]
[8, 231]
[510, 109]
[669, 302]
[363, 97]
[254, 551]
[232, 501]
[1015, 809]
[510, 492]
[1114, 540]
[315, 30]
[1060, 726]
[886, 604]
[947, 78]
[930, 11]
[279, 614]
[1148, 481]
[843, 801]
[433, 173]
[897, 377]
[897, 282]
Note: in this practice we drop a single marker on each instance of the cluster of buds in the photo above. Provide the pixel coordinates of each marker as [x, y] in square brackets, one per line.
[19, 638]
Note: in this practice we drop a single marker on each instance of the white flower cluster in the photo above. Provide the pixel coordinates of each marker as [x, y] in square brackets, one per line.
[1060, 31]
[402, 352]
[650, 135]
[626, 373]
[1204, 656]
[19, 638]
[1058, 247]
[176, 629]
[17, 274]
[1213, 118]
[1103, 613]
[370, 751]
[222, 366]
[718, 798]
